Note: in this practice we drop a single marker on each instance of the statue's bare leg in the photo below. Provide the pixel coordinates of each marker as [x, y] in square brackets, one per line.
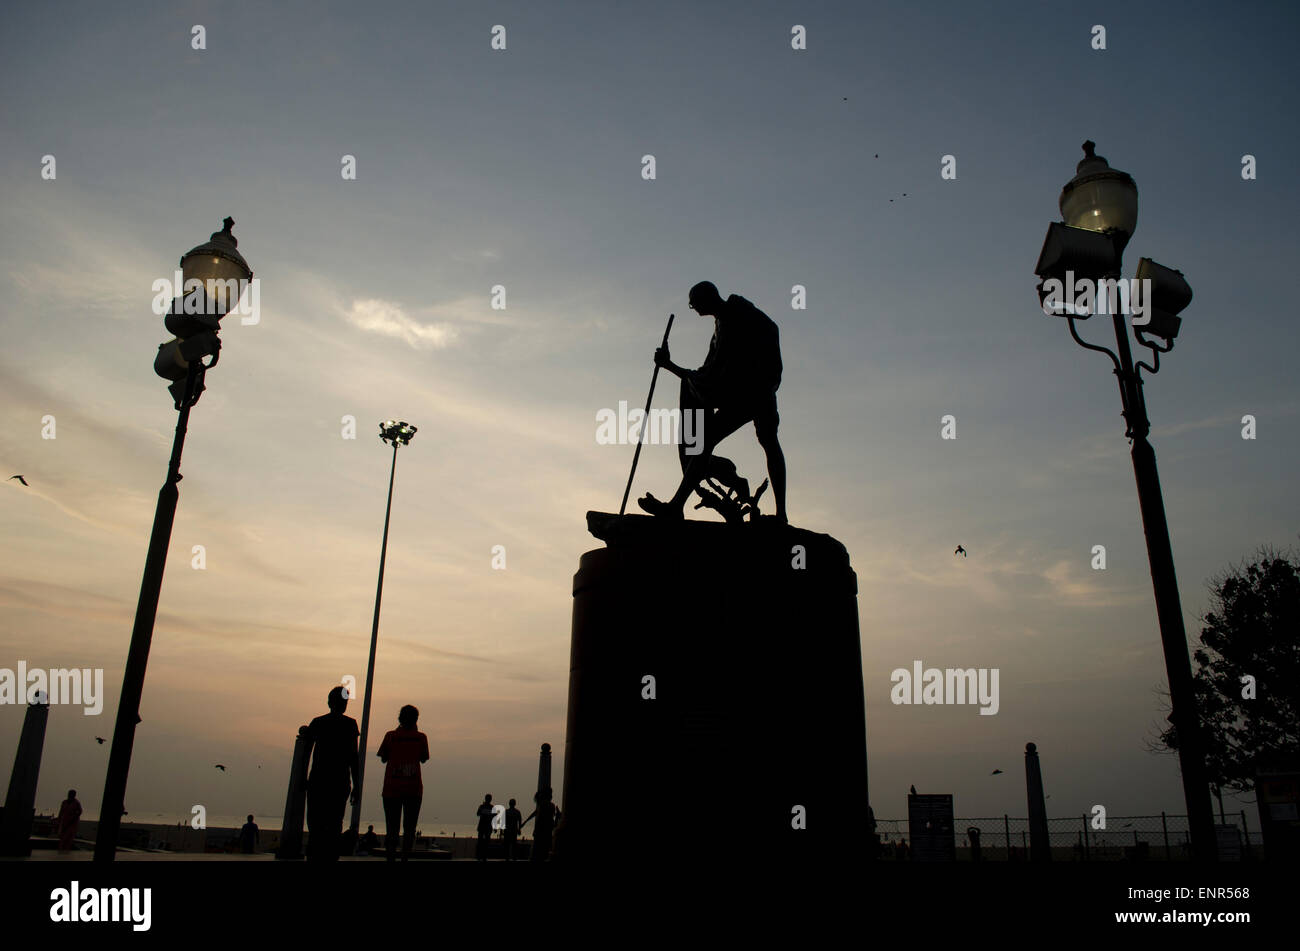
[765, 426]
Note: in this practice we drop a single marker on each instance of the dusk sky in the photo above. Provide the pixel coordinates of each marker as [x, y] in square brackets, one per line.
[522, 167]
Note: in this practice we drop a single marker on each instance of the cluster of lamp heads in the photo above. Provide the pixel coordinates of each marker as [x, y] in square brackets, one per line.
[398, 432]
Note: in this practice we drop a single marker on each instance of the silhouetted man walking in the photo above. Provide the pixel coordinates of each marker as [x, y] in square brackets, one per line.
[547, 816]
[334, 773]
[485, 814]
[736, 384]
[514, 822]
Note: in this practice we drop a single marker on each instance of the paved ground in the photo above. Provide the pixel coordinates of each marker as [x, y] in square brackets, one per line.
[43, 855]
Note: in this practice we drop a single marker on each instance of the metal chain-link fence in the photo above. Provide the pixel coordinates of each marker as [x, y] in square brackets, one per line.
[1160, 838]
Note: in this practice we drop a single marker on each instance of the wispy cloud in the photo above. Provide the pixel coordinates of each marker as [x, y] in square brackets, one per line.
[390, 320]
[1009, 578]
[1230, 420]
[83, 262]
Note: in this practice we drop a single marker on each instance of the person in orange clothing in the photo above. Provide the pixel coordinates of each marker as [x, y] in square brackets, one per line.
[403, 750]
[69, 819]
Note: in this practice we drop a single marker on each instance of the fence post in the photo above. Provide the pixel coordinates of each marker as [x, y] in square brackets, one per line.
[1086, 856]
[1164, 825]
[1006, 827]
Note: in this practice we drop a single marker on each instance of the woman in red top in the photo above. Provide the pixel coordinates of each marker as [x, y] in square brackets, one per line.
[403, 750]
[69, 819]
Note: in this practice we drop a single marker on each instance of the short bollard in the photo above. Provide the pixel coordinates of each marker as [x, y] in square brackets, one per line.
[295, 804]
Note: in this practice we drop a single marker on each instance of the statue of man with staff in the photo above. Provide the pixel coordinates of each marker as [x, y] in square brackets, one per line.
[736, 385]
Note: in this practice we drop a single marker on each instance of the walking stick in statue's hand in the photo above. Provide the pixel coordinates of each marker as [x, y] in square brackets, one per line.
[645, 420]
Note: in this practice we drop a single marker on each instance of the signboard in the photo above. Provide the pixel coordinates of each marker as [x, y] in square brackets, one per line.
[1229, 839]
[930, 828]
[1278, 795]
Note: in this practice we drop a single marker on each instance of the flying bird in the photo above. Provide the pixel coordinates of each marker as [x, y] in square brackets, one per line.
[962, 551]
[913, 790]
[99, 740]
[220, 767]
[18, 477]
[995, 772]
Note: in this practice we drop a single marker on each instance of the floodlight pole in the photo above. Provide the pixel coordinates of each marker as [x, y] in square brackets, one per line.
[370, 668]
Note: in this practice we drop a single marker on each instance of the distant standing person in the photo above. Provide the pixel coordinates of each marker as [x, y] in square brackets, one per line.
[248, 837]
[485, 814]
[403, 750]
[69, 819]
[334, 773]
[547, 815]
[514, 822]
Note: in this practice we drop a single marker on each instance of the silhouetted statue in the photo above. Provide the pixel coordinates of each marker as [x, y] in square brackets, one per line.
[514, 822]
[547, 815]
[736, 385]
[334, 774]
[485, 814]
[248, 837]
[68, 820]
[403, 750]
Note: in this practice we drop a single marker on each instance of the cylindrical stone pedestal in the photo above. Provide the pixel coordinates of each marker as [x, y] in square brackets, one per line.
[750, 740]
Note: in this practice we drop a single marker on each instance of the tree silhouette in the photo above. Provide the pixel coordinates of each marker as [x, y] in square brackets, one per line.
[1251, 631]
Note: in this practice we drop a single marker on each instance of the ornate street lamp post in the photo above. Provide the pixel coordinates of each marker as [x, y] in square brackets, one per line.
[194, 318]
[1099, 211]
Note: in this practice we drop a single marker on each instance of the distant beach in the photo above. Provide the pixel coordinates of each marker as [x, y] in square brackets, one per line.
[174, 833]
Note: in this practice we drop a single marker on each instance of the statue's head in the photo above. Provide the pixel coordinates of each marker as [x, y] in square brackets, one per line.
[705, 299]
